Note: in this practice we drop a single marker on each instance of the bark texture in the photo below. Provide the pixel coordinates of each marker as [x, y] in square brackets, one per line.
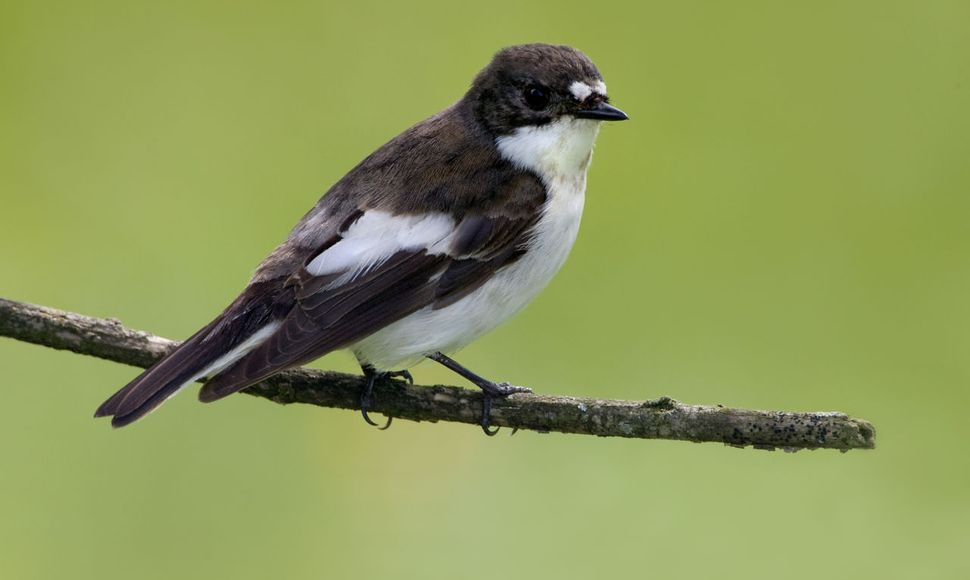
[662, 418]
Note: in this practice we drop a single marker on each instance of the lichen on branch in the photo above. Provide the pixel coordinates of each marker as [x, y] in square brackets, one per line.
[662, 418]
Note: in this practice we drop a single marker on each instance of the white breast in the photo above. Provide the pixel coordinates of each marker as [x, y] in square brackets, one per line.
[560, 154]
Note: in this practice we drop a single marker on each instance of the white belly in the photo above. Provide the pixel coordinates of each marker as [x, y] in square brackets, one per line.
[405, 342]
[559, 153]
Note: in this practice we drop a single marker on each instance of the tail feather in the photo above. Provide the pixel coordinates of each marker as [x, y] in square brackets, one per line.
[154, 386]
[156, 398]
[110, 407]
[247, 323]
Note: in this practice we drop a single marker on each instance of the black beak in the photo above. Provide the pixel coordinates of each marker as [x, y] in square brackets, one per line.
[602, 112]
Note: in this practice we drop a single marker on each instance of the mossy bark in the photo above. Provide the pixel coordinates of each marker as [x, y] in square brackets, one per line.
[662, 418]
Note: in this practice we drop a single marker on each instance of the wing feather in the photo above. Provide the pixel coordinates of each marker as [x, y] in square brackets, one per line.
[333, 311]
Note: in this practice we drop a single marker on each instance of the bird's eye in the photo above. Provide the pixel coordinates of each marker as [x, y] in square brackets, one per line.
[536, 98]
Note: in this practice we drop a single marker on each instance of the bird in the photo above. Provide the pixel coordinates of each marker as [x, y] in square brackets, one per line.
[433, 240]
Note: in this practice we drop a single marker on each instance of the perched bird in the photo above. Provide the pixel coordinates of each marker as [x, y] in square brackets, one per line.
[433, 240]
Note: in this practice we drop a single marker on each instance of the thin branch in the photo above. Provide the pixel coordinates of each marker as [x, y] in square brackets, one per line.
[662, 418]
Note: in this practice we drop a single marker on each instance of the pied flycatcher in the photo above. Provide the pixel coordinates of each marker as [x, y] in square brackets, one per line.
[433, 240]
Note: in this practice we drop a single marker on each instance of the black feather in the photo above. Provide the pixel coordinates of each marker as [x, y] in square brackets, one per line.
[260, 304]
[448, 164]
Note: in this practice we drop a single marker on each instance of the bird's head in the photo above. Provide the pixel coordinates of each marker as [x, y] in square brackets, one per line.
[537, 84]
[546, 98]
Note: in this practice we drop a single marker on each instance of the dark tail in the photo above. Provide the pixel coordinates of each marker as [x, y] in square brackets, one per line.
[240, 328]
[154, 386]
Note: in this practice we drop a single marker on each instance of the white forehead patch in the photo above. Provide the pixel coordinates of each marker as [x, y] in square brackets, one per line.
[580, 90]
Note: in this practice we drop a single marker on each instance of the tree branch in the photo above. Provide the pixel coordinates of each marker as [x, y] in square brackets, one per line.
[662, 418]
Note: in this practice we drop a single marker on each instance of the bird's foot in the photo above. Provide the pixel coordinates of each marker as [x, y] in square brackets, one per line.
[491, 391]
[402, 374]
[372, 375]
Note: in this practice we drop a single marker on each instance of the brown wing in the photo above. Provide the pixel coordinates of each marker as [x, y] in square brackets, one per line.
[445, 164]
[332, 313]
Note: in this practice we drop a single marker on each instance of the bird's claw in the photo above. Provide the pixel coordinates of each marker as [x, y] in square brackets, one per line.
[489, 392]
[486, 413]
[403, 374]
[505, 389]
[365, 404]
[489, 389]
[365, 397]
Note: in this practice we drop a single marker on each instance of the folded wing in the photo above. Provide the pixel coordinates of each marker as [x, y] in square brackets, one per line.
[381, 269]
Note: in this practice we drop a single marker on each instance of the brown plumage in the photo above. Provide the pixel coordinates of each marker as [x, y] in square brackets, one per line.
[448, 164]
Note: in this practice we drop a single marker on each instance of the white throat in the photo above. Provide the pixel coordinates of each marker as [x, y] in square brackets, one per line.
[559, 149]
[559, 153]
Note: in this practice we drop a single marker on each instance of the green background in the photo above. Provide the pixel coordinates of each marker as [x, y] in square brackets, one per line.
[782, 225]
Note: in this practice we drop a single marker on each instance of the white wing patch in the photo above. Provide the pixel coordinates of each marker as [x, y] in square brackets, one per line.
[559, 152]
[377, 236]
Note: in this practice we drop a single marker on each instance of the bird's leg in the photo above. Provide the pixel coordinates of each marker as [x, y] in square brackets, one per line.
[373, 375]
[490, 389]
